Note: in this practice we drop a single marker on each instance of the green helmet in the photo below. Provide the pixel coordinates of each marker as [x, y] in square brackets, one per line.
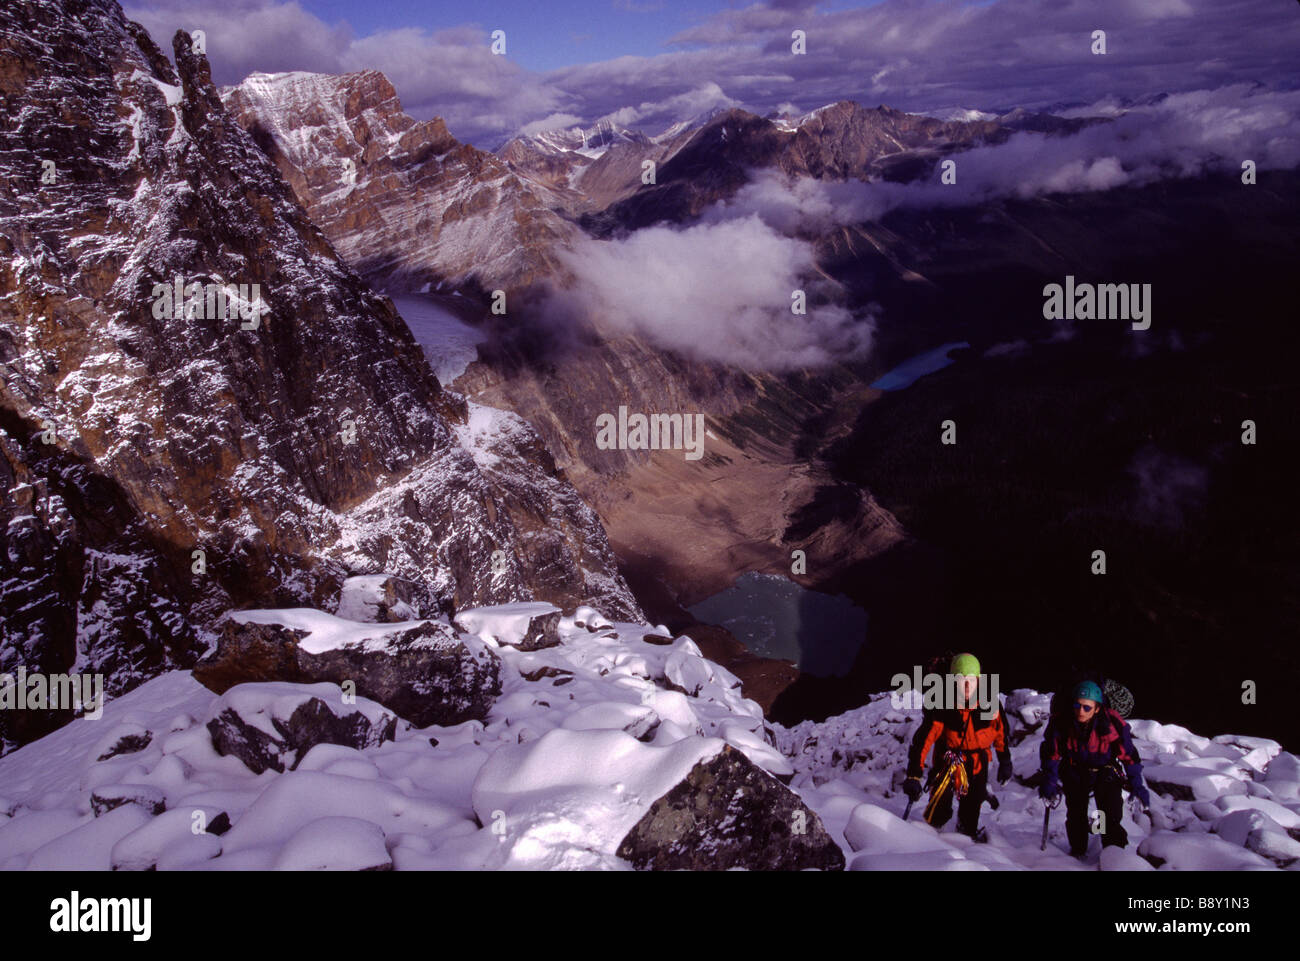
[964, 664]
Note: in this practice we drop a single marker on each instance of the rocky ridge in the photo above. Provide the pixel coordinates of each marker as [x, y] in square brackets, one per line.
[405, 203]
[290, 449]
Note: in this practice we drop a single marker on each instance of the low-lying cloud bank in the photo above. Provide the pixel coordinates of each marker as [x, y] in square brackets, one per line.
[719, 292]
[720, 289]
[1185, 135]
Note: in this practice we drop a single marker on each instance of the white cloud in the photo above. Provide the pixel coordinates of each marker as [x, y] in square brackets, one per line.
[556, 121]
[702, 99]
[715, 292]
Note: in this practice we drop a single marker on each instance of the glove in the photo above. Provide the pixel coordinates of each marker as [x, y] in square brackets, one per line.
[1135, 785]
[912, 788]
[1004, 768]
[1051, 786]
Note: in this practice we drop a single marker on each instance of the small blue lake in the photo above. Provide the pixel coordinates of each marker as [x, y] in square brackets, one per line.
[913, 369]
[775, 617]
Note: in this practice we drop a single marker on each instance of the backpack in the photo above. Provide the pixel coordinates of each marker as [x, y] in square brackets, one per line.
[1114, 695]
[1118, 698]
[936, 664]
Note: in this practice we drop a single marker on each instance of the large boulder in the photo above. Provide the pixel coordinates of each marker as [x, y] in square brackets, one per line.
[526, 626]
[1188, 783]
[729, 813]
[1254, 829]
[686, 669]
[880, 831]
[108, 797]
[335, 844]
[427, 674]
[172, 835]
[273, 726]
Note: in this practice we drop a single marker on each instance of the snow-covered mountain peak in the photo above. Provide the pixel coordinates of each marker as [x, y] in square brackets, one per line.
[405, 203]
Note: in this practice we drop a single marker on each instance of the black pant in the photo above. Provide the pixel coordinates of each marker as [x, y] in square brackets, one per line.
[968, 808]
[1106, 784]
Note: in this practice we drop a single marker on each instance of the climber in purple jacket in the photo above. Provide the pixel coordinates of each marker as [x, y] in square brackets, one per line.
[1092, 754]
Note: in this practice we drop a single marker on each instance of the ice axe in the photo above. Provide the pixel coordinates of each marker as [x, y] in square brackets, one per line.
[908, 810]
[1048, 806]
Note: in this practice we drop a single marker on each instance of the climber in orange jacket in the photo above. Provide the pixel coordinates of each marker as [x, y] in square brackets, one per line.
[960, 735]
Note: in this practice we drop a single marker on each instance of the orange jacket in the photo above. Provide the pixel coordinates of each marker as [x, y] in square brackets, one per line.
[957, 730]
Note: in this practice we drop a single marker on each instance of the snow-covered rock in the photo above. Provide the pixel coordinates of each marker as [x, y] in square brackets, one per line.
[1288, 818]
[1197, 852]
[590, 618]
[727, 813]
[191, 833]
[587, 787]
[384, 598]
[528, 627]
[877, 829]
[106, 798]
[592, 756]
[424, 671]
[89, 846]
[1253, 828]
[687, 668]
[271, 726]
[335, 844]
[1191, 782]
[1123, 859]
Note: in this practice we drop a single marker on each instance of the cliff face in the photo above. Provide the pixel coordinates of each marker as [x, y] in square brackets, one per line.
[676, 523]
[405, 203]
[292, 445]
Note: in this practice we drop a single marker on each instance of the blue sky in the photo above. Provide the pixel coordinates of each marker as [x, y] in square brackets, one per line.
[540, 36]
[545, 35]
[647, 63]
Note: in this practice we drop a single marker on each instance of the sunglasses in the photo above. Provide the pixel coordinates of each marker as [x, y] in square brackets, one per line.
[1085, 708]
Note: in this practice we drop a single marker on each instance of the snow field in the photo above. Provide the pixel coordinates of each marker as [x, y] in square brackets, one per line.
[564, 765]
[850, 770]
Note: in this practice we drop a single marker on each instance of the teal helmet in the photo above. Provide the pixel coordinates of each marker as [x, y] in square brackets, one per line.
[1088, 691]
